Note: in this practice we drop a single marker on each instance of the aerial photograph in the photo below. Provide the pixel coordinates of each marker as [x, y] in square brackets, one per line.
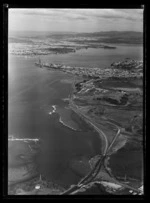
[75, 101]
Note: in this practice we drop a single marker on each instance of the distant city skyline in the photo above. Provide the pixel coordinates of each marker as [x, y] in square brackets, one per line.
[75, 20]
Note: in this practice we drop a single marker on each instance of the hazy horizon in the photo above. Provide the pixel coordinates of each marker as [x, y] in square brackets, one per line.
[73, 32]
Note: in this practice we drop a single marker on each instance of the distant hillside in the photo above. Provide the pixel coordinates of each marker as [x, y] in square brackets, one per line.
[122, 37]
[127, 37]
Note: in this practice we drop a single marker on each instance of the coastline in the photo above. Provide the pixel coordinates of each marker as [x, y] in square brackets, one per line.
[106, 162]
[61, 121]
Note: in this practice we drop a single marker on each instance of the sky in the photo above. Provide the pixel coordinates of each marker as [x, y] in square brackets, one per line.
[75, 20]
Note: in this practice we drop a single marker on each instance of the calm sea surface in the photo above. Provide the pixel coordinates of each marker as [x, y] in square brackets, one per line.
[97, 57]
[33, 91]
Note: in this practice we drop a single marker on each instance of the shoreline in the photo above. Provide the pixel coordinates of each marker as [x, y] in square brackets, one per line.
[106, 162]
[56, 51]
[61, 121]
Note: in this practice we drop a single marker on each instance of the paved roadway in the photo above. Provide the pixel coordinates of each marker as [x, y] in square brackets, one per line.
[101, 133]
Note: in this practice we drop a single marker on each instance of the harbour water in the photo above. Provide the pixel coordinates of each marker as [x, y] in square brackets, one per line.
[33, 94]
[92, 57]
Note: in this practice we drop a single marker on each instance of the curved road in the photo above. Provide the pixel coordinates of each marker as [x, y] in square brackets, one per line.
[101, 133]
[75, 108]
[98, 165]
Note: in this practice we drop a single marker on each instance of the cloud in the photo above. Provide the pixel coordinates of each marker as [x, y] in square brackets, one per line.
[80, 18]
[52, 14]
[84, 14]
[118, 17]
[77, 19]
[114, 14]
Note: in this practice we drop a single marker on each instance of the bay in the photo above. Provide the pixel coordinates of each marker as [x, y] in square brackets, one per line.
[33, 91]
